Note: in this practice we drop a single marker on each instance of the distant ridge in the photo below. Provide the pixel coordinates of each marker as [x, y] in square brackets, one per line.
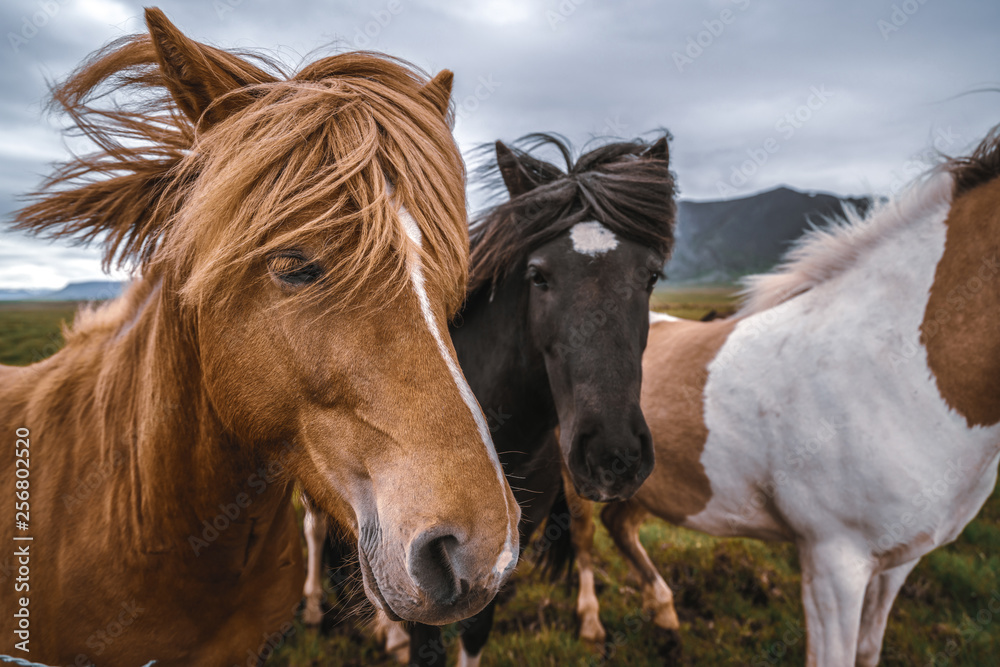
[94, 290]
[721, 241]
[717, 241]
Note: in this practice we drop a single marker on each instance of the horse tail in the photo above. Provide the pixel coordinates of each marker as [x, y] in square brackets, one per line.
[556, 549]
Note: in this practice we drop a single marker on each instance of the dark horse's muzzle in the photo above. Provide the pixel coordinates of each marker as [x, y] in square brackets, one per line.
[610, 459]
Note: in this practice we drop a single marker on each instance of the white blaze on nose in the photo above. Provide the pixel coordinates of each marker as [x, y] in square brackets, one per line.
[592, 238]
[417, 278]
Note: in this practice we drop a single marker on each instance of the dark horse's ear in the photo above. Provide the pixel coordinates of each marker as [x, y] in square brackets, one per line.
[514, 175]
[196, 75]
[438, 91]
[659, 151]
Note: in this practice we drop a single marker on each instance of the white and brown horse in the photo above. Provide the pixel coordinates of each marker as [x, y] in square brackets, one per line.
[302, 243]
[851, 407]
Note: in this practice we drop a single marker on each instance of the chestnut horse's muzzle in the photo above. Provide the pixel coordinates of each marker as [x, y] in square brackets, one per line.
[442, 576]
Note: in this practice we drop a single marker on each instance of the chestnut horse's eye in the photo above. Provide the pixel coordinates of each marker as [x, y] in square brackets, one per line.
[537, 278]
[294, 269]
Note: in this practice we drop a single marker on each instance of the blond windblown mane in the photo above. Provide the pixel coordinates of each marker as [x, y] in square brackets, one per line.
[326, 155]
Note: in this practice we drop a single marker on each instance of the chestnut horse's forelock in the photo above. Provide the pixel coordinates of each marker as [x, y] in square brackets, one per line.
[311, 158]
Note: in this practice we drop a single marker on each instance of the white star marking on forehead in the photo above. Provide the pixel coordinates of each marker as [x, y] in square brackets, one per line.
[592, 238]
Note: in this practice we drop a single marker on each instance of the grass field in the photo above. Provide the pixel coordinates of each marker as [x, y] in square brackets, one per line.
[29, 330]
[738, 600]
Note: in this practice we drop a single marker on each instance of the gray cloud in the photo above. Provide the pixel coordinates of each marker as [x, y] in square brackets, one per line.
[722, 75]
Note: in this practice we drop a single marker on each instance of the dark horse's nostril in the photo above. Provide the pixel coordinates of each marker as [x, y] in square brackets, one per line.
[432, 568]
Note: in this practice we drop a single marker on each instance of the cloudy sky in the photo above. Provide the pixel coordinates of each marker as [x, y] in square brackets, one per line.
[848, 96]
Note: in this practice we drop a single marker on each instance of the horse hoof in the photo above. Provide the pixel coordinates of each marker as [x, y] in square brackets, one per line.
[592, 632]
[666, 619]
[312, 616]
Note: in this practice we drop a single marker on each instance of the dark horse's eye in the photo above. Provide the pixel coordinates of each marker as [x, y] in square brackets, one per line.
[294, 269]
[537, 278]
[654, 277]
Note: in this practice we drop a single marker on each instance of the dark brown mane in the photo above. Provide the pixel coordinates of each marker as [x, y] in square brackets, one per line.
[982, 166]
[165, 193]
[616, 184]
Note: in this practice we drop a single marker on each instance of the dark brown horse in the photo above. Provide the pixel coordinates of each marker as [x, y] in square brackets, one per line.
[301, 243]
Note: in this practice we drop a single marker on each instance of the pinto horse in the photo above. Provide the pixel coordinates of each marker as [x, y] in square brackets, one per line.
[852, 406]
[553, 331]
[302, 243]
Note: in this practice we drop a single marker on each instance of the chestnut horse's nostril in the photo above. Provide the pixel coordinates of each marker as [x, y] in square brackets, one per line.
[433, 569]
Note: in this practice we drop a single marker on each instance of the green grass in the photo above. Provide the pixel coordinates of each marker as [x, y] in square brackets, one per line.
[30, 330]
[737, 599]
[696, 301]
[738, 602]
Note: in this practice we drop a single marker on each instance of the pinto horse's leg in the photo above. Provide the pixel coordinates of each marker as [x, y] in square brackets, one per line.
[582, 532]
[881, 593]
[314, 526]
[835, 576]
[426, 647]
[623, 521]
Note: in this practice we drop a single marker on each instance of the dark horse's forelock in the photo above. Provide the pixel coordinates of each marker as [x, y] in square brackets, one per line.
[621, 184]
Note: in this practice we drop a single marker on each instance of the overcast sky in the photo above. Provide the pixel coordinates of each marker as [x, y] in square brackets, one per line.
[845, 96]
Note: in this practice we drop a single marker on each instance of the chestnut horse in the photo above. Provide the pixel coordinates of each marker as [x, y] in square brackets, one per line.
[553, 332]
[851, 407]
[302, 243]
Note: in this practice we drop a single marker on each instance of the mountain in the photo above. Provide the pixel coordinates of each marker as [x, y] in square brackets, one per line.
[716, 241]
[720, 241]
[21, 294]
[96, 290]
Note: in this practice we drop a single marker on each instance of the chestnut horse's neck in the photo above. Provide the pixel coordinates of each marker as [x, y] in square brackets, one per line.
[178, 468]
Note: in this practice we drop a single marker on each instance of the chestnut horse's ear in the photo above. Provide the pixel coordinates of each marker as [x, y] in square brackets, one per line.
[659, 151]
[514, 176]
[438, 91]
[196, 75]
